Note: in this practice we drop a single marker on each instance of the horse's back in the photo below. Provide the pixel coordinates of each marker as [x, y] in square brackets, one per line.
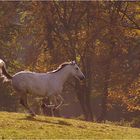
[26, 81]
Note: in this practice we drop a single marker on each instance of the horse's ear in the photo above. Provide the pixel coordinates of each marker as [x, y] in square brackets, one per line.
[73, 62]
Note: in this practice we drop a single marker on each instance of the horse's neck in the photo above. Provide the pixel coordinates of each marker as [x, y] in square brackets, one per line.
[63, 75]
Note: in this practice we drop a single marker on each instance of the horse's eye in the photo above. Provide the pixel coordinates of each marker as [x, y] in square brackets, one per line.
[76, 68]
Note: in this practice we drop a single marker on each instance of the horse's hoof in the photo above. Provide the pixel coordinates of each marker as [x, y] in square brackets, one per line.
[32, 114]
[29, 116]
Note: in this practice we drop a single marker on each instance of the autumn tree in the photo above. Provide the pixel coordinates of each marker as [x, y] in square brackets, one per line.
[103, 37]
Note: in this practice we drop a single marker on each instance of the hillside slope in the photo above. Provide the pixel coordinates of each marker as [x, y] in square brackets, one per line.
[17, 125]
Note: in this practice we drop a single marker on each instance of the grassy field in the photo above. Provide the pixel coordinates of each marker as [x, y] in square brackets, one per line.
[17, 125]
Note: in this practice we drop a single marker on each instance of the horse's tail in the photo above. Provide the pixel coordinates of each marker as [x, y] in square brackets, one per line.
[3, 72]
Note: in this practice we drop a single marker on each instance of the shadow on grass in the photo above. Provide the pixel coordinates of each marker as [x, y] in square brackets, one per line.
[59, 122]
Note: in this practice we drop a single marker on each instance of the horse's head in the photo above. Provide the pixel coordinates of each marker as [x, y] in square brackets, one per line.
[76, 72]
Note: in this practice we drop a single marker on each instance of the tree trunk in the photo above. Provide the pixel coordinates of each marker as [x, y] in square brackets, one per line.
[84, 99]
[105, 93]
[88, 106]
[81, 98]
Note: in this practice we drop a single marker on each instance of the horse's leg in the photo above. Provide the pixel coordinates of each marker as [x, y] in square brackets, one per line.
[46, 110]
[56, 100]
[60, 99]
[52, 102]
[23, 101]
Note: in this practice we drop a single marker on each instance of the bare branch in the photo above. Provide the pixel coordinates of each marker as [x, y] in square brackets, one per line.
[125, 10]
[129, 18]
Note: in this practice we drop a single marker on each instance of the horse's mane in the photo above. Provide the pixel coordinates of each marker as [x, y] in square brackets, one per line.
[61, 66]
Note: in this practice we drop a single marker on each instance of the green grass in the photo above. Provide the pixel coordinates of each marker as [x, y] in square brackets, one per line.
[17, 125]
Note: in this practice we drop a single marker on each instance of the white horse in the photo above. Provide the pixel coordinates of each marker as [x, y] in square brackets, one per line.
[48, 84]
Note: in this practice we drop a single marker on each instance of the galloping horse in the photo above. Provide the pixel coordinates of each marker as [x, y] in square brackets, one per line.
[48, 84]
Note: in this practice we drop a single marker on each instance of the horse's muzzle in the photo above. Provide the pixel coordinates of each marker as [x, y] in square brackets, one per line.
[82, 77]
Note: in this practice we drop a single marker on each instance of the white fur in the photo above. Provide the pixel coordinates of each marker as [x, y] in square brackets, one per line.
[43, 84]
